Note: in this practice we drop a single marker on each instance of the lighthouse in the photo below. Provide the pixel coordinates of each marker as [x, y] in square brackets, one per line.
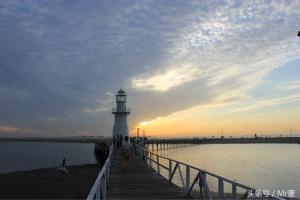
[120, 128]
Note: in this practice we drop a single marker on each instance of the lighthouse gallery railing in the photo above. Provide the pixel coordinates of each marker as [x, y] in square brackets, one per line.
[99, 189]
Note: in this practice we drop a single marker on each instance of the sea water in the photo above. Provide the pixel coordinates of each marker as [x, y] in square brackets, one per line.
[269, 167]
[22, 156]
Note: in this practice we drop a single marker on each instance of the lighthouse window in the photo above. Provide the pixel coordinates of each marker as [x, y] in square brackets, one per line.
[121, 98]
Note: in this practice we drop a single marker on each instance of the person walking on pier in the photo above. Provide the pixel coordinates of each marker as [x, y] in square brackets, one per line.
[201, 183]
[126, 151]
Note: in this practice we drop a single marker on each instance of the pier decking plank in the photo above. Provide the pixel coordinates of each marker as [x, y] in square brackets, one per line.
[139, 181]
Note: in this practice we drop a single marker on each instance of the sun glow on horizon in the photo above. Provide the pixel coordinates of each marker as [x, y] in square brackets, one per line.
[215, 121]
[150, 122]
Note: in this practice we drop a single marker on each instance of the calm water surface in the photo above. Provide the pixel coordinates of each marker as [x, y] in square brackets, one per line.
[20, 156]
[264, 166]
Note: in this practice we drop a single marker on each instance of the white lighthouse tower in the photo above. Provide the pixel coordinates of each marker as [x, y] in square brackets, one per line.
[120, 128]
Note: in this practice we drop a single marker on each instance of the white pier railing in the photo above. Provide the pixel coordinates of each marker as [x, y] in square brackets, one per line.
[99, 189]
[188, 185]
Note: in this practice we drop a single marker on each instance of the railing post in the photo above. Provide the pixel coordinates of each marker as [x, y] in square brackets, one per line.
[170, 169]
[181, 176]
[158, 167]
[146, 153]
[187, 179]
[143, 155]
[138, 151]
[221, 189]
[205, 187]
[233, 197]
[150, 160]
[98, 192]
[107, 176]
[104, 187]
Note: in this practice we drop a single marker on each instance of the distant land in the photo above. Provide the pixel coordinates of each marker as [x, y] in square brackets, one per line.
[75, 139]
[222, 140]
[202, 140]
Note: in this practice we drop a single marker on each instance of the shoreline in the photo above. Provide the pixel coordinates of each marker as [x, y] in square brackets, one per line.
[42, 168]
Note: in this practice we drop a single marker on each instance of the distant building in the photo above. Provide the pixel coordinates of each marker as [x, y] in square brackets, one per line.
[120, 128]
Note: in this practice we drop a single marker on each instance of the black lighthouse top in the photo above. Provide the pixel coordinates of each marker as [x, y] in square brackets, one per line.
[121, 96]
[121, 91]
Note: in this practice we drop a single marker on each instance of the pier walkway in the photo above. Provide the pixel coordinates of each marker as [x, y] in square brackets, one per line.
[138, 182]
[144, 180]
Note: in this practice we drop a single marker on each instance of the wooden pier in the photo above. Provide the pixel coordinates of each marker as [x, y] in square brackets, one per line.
[139, 182]
[143, 179]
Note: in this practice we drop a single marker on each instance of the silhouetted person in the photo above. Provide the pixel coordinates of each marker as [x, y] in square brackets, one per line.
[121, 140]
[298, 34]
[201, 183]
[126, 151]
[101, 152]
[114, 141]
[63, 167]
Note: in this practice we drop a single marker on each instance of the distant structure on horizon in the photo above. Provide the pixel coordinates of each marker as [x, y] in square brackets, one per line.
[120, 128]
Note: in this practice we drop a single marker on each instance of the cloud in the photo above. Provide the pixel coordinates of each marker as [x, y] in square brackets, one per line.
[59, 58]
[230, 52]
[88, 133]
[104, 105]
[150, 122]
[225, 46]
[8, 129]
[270, 102]
[165, 81]
[291, 85]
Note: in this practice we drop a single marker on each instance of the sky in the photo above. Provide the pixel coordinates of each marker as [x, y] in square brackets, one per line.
[190, 68]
